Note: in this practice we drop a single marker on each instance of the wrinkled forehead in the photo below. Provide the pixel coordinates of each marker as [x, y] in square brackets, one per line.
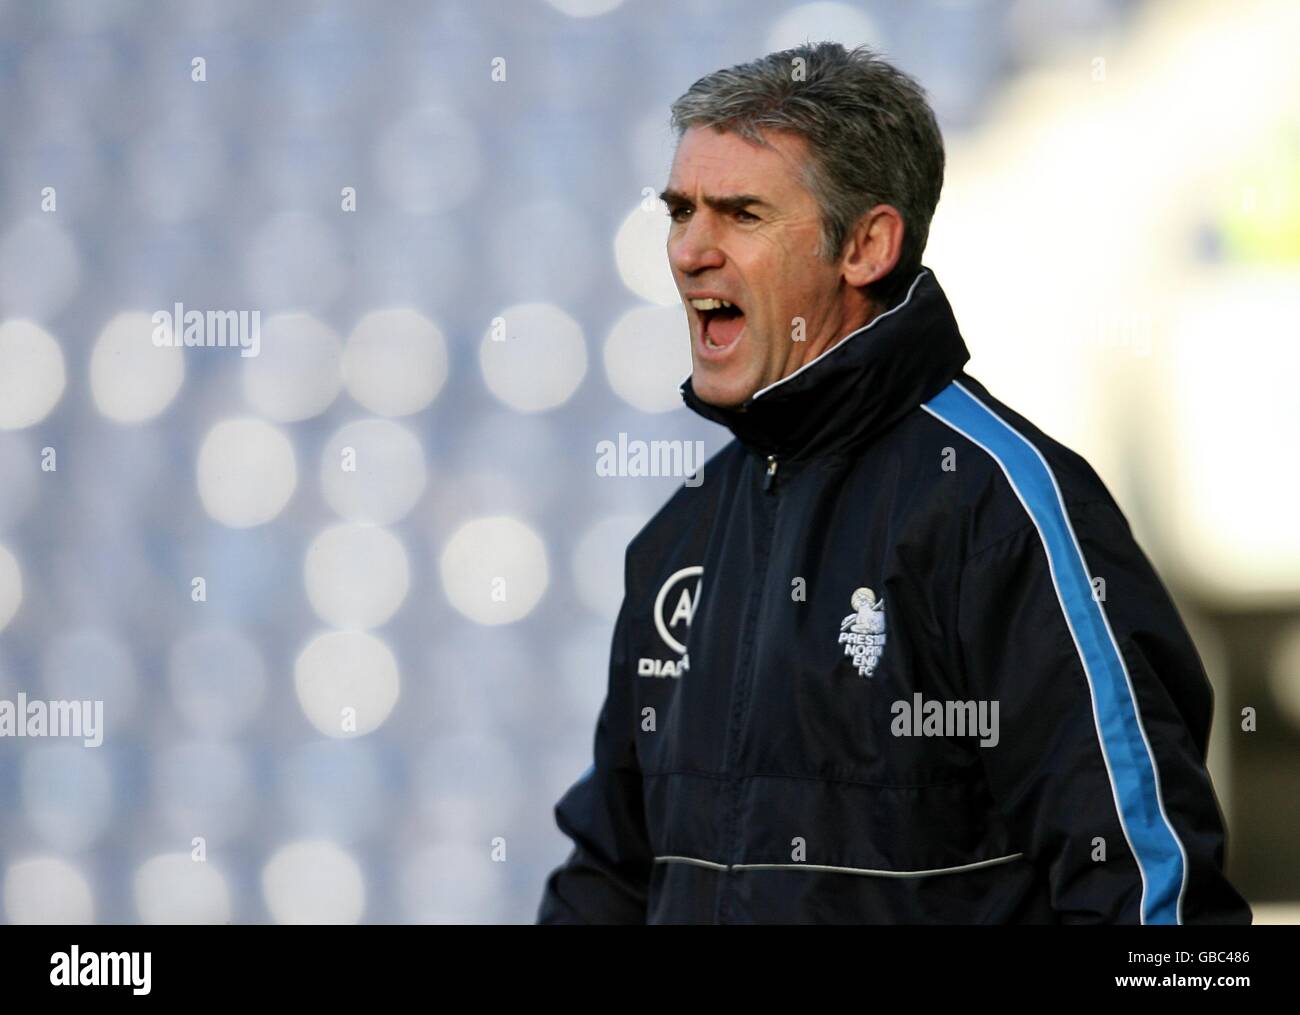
[712, 162]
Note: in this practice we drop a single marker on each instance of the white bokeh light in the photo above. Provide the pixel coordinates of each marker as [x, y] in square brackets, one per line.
[313, 881]
[395, 362]
[356, 575]
[32, 375]
[535, 358]
[176, 889]
[347, 683]
[132, 379]
[218, 680]
[640, 252]
[246, 472]
[373, 471]
[412, 179]
[11, 586]
[825, 21]
[47, 890]
[494, 570]
[648, 355]
[296, 373]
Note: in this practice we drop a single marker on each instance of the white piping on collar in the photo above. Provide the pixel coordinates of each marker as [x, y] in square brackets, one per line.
[728, 867]
[844, 341]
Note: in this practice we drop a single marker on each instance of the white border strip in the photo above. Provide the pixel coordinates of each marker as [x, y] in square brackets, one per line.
[839, 870]
[691, 860]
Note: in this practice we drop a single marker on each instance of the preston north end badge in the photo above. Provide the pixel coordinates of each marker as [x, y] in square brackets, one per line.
[863, 633]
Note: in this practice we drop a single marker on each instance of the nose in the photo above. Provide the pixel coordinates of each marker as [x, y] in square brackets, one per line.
[693, 247]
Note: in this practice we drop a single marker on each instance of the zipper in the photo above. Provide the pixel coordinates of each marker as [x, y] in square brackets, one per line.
[748, 667]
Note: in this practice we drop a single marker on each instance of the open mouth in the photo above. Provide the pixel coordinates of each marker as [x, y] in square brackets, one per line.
[721, 323]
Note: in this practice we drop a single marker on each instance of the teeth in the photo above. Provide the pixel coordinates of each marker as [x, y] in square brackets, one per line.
[709, 304]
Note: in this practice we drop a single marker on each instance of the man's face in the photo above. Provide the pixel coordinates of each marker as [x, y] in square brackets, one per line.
[746, 230]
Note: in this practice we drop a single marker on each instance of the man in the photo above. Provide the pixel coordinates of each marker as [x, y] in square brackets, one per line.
[897, 659]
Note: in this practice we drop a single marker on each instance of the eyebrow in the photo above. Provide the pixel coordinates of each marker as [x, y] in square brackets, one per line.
[727, 202]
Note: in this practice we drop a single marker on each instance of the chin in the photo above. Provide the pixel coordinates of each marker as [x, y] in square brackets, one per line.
[724, 392]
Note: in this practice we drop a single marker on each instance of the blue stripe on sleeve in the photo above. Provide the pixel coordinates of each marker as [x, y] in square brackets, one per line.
[1125, 749]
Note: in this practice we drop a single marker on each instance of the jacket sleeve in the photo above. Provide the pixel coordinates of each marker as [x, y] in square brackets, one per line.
[1105, 711]
[607, 874]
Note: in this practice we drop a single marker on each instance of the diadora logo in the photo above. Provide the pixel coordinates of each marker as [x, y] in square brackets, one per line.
[863, 633]
[673, 611]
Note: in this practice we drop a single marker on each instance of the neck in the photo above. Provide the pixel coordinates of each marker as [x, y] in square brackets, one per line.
[850, 320]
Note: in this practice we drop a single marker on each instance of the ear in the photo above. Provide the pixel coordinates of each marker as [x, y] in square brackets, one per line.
[874, 246]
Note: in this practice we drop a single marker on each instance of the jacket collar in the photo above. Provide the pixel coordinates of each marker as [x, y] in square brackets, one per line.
[857, 388]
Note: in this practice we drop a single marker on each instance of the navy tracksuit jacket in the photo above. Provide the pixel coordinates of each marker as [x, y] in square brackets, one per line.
[809, 639]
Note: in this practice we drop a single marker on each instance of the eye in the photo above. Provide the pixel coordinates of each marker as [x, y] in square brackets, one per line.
[676, 213]
[745, 216]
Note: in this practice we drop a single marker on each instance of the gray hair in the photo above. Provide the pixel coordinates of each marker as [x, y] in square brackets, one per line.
[871, 135]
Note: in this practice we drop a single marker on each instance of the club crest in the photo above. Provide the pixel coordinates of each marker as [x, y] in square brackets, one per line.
[862, 633]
